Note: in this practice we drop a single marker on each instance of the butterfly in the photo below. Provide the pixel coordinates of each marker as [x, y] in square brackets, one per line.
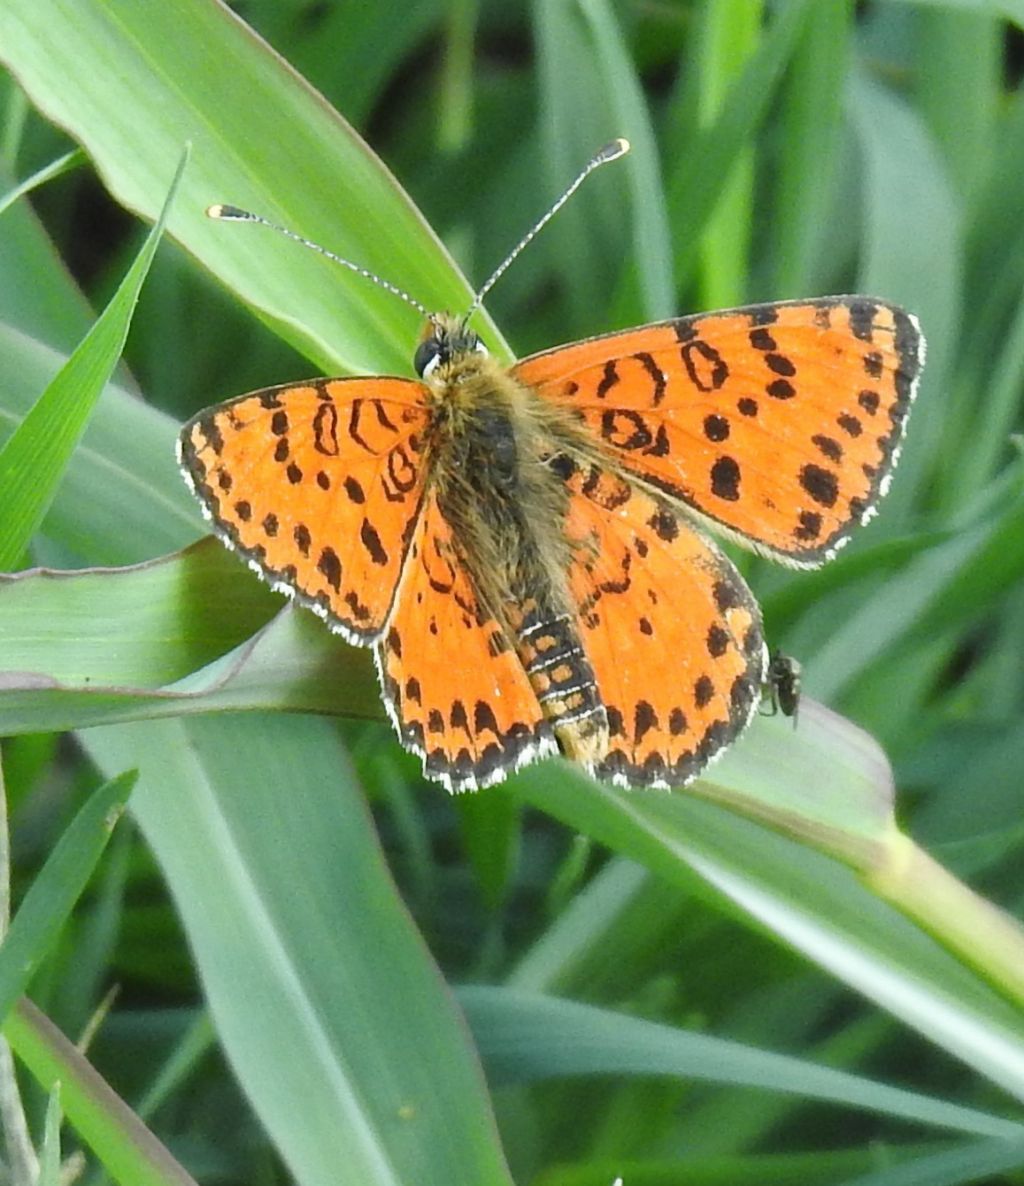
[525, 548]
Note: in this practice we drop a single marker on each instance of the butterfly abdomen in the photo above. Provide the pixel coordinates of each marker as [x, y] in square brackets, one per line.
[563, 680]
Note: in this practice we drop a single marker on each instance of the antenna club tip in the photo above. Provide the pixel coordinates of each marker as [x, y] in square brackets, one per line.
[219, 210]
[611, 152]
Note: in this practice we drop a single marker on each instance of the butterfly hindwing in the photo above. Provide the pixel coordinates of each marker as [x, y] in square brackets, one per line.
[318, 485]
[780, 423]
[671, 630]
[453, 686]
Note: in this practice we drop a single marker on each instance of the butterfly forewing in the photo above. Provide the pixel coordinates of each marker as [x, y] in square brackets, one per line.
[780, 423]
[319, 486]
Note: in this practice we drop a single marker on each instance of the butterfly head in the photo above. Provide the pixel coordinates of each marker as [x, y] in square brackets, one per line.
[447, 349]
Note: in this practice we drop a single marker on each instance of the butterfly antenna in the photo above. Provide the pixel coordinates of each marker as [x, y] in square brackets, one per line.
[610, 152]
[235, 214]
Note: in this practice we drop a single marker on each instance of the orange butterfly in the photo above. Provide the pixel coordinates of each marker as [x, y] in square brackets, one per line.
[523, 548]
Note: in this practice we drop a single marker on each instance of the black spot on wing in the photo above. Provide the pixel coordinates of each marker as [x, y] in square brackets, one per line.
[717, 641]
[330, 566]
[725, 479]
[869, 401]
[828, 447]
[781, 389]
[780, 364]
[809, 527]
[862, 319]
[644, 719]
[371, 542]
[716, 428]
[821, 484]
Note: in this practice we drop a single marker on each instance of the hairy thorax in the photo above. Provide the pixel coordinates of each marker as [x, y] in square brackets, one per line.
[497, 453]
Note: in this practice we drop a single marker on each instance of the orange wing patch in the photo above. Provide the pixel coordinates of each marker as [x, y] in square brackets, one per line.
[318, 486]
[780, 423]
[671, 630]
[452, 683]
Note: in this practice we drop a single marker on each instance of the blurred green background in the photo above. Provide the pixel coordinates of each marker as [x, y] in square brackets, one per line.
[780, 150]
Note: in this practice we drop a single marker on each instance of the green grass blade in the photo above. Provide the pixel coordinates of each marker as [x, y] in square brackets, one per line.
[139, 627]
[263, 140]
[947, 585]
[728, 36]
[961, 91]
[49, 1160]
[190, 633]
[34, 458]
[979, 932]
[651, 238]
[351, 53]
[813, 903]
[578, 117]
[127, 1149]
[196, 1042]
[526, 1037]
[491, 836]
[809, 150]
[702, 165]
[272, 858]
[456, 99]
[620, 910]
[1013, 10]
[912, 254]
[62, 164]
[977, 1162]
[986, 444]
[53, 894]
[49, 309]
[122, 499]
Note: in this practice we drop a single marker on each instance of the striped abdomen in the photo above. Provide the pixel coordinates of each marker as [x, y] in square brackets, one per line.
[563, 680]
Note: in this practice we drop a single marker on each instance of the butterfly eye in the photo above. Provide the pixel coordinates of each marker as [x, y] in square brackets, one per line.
[428, 354]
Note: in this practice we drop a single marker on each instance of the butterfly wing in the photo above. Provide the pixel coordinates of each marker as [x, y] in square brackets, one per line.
[671, 630]
[318, 485]
[453, 686]
[779, 423]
